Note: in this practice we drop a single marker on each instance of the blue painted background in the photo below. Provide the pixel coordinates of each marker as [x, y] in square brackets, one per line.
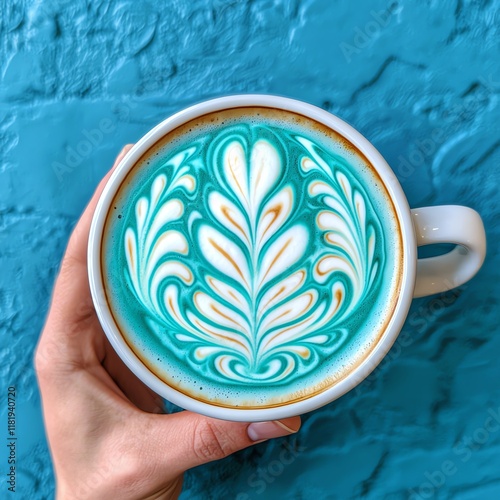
[420, 79]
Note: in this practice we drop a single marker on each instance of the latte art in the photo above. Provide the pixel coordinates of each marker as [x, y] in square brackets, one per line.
[254, 257]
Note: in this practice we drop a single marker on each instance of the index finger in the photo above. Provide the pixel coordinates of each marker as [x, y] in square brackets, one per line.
[76, 251]
[71, 300]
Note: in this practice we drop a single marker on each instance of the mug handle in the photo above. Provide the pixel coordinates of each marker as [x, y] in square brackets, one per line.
[448, 224]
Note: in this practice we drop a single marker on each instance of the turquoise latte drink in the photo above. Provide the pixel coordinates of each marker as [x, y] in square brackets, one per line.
[252, 258]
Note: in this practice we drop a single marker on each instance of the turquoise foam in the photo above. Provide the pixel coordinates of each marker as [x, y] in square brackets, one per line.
[252, 368]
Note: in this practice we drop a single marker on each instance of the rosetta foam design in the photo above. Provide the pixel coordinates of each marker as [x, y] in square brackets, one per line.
[255, 261]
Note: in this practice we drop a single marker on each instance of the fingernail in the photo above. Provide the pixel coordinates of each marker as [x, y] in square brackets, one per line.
[259, 431]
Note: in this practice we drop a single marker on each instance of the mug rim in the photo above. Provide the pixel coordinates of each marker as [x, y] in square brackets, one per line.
[403, 301]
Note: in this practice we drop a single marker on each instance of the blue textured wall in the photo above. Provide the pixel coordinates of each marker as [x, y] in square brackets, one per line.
[420, 79]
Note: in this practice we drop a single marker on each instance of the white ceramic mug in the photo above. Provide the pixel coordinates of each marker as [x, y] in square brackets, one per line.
[443, 224]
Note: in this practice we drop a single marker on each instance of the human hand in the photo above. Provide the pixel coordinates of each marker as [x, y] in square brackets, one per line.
[106, 434]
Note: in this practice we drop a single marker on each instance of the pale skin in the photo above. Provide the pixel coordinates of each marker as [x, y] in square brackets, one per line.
[107, 434]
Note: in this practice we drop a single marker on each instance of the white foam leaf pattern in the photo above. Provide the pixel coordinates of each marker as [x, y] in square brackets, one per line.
[229, 216]
[282, 254]
[224, 255]
[233, 280]
[350, 237]
[256, 320]
[151, 248]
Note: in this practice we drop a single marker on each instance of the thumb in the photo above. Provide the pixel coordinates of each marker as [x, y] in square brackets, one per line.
[194, 439]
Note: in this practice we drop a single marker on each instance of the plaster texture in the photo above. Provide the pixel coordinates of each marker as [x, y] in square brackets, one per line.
[420, 79]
